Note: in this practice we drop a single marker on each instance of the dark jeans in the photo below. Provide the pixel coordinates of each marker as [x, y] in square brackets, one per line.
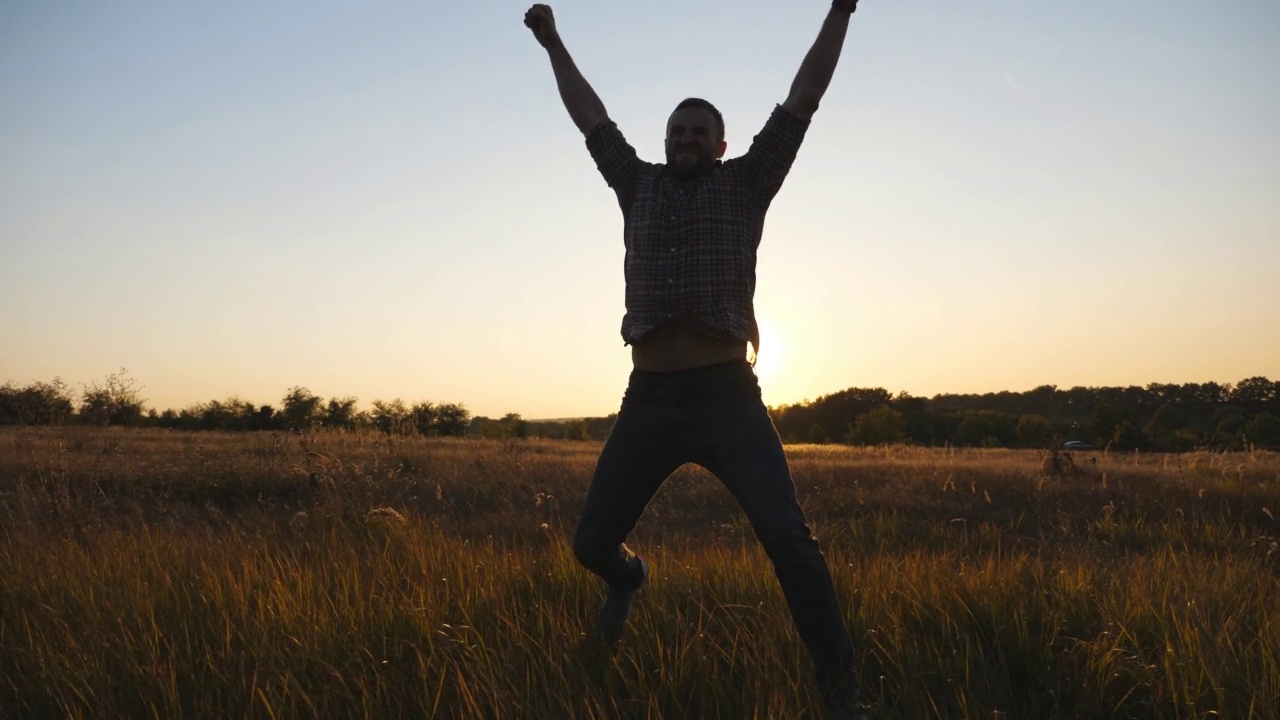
[713, 416]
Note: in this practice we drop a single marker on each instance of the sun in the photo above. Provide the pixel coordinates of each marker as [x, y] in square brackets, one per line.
[772, 350]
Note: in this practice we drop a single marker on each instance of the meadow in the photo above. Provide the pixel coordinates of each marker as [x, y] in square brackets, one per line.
[154, 573]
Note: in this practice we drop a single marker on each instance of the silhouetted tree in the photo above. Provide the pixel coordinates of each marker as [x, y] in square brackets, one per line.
[263, 418]
[514, 425]
[300, 409]
[114, 401]
[1256, 394]
[36, 404]
[340, 413]
[230, 414]
[423, 417]
[451, 420]
[391, 417]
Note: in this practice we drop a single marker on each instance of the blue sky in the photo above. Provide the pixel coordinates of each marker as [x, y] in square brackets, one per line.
[388, 200]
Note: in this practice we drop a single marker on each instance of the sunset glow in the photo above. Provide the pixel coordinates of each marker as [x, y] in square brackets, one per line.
[769, 361]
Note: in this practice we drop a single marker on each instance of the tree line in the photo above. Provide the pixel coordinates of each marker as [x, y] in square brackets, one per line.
[1158, 417]
[1161, 417]
[117, 401]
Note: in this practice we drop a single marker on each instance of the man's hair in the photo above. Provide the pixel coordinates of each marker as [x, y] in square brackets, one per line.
[700, 103]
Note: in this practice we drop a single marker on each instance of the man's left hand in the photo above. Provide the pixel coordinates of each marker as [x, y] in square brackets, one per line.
[844, 6]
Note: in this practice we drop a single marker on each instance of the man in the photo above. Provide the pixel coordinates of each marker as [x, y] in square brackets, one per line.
[691, 227]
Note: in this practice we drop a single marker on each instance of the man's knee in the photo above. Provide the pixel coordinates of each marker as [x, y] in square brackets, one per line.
[787, 539]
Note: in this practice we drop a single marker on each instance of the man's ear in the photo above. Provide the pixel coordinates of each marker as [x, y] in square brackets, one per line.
[721, 148]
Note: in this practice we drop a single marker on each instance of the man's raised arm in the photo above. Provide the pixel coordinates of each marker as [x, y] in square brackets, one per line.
[584, 106]
[820, 63]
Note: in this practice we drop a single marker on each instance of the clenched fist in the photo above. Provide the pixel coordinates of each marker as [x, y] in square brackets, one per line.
[543, 24]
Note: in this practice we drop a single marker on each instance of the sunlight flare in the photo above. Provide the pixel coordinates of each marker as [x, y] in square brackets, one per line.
[771, 352]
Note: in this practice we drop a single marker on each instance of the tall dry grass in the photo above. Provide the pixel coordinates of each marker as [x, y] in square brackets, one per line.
[160, 574]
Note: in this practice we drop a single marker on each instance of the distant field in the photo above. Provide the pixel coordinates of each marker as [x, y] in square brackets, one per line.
[162, 574]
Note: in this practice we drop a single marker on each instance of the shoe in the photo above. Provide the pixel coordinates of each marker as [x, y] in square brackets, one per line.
[617, 608]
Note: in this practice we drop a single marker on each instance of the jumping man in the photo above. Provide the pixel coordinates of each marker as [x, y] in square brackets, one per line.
[691, 229]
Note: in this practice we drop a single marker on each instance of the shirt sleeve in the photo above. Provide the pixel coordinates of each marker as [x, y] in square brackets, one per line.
[616, 160]
[772, 151]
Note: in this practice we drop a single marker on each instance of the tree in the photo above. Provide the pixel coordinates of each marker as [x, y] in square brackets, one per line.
[1034, 431]
[1263, 430]
[263, 418]
[818, 435]
[36, 404]
[391, 417]
[423, 417]
[1206, 394]
[831, 411]
[514, 425]
[1106, 418]
[985, 429]
[1167, 419]
[114, 401]
[300, 409]
[230, 414]
[1256, 393]
[881, 426]
[340, 413]
[1127, 436]
[1228, 425]
[575, 430]
[451, 420]
[1042, 400]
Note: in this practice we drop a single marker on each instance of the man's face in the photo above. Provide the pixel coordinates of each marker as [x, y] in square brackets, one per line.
[693, 142]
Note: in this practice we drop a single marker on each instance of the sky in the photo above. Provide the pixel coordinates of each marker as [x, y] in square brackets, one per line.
[388, 199]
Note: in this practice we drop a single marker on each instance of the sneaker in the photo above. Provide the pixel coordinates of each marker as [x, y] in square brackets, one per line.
[617, 608]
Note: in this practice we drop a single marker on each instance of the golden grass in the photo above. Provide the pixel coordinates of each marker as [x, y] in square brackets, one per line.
[163, 574]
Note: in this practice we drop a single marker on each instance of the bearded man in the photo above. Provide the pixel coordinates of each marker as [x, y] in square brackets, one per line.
[691, 229]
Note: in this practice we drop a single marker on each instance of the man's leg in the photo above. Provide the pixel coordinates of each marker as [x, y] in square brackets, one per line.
[641, 452]
[738, 443]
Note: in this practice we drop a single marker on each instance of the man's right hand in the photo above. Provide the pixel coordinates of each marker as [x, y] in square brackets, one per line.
[543, 24]
[579, 99]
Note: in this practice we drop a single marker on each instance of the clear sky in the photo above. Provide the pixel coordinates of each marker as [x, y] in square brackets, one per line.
[387, 199]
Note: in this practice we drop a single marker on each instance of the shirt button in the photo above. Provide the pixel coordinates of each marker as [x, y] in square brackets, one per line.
[670, 281]
[673, 248]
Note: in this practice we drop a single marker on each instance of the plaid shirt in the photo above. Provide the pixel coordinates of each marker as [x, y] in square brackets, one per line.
[691, 246]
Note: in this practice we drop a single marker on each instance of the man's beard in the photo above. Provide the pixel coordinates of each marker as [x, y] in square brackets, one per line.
[699, 168]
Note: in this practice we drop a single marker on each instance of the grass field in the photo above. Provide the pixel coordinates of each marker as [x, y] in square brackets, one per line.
[162, 574]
